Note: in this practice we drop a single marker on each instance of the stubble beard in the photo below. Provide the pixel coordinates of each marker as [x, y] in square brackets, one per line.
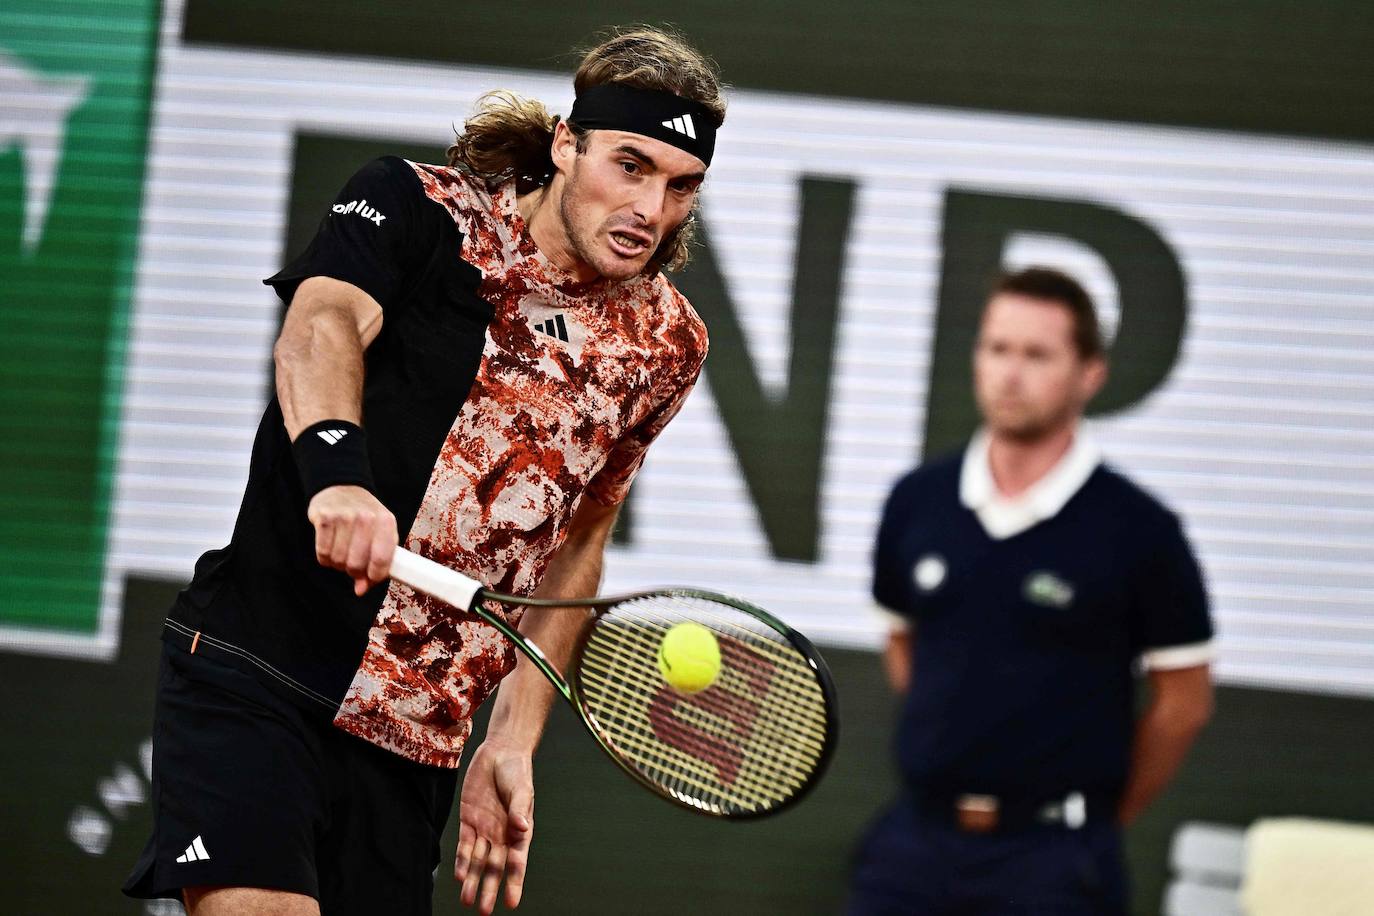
[585, 247]
[1028, 428]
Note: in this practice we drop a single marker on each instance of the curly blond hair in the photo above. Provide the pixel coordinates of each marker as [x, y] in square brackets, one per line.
[509, 137]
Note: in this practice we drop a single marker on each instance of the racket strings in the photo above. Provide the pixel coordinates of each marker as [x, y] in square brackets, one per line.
[747, 743]
[644, 642]
[798, 680]
[695, 776]
[692, 777]
[634, 685]
[709, 758]
[788, 670]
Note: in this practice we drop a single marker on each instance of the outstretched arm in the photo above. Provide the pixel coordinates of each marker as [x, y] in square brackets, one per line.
[496, 814]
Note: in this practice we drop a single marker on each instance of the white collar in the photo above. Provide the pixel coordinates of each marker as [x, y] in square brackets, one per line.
[1002, 517]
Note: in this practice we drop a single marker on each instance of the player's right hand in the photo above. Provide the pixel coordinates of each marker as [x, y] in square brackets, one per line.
[354, 532]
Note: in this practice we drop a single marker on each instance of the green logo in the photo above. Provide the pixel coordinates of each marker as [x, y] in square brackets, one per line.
[75, 91]
[1047, 589]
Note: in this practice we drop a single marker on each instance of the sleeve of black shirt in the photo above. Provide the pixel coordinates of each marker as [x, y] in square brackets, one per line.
[891, 583]
[1170, 598]
[372, 236]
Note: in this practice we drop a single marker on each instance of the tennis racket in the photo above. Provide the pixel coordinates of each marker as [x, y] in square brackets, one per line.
[750, 744]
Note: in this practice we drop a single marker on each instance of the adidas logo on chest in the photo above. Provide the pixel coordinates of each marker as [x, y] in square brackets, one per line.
[552, 330]
[554, 327]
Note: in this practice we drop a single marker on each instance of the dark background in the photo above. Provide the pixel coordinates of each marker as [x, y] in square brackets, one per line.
[1261, 65]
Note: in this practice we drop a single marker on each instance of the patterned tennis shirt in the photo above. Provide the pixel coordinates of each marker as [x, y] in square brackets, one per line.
[499, 393]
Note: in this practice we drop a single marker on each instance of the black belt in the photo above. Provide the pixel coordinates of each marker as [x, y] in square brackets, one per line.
[981, 813]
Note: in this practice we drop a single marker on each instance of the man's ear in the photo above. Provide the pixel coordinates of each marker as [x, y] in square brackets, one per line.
[564, 148]
[1094, 377]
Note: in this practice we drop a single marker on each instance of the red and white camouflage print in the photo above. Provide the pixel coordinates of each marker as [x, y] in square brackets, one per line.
[576, 380]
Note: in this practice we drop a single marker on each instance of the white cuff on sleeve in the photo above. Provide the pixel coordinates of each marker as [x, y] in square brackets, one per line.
[895, 622]
[1172, 658]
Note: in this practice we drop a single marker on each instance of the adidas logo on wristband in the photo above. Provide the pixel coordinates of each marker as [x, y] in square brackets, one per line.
[332, 453]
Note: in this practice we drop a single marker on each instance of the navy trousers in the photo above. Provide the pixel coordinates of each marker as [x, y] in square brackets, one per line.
[913, 864]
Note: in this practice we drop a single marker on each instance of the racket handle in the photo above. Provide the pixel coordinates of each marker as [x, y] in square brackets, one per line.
[434, 579]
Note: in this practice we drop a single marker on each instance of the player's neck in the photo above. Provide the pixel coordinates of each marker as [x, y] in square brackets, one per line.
[1019, 464]
[539, 209]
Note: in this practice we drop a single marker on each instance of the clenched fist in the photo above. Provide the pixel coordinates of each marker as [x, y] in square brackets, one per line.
[354, 532]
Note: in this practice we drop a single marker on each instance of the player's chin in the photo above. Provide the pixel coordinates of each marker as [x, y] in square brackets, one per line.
[619, 272]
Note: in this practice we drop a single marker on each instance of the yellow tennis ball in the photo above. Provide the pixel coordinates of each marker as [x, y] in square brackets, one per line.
[689, 657]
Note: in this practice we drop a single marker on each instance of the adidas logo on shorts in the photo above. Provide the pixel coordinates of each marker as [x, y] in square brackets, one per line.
[195, 852]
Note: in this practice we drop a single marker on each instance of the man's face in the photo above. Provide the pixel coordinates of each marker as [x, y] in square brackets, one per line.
[1028, 377]
[622, 195]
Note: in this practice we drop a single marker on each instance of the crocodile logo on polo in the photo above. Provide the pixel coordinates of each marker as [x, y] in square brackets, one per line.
[1048, 590]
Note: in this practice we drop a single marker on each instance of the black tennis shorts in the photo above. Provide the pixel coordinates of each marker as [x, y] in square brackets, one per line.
[251, 791]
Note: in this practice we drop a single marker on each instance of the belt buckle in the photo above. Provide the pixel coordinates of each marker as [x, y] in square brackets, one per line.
[976, 813]
[1072, 812]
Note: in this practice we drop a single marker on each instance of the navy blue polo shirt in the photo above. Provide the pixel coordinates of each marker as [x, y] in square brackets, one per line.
[1026, 644]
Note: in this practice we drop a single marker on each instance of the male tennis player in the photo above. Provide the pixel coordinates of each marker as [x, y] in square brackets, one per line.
[474, 361]
[1027, 580]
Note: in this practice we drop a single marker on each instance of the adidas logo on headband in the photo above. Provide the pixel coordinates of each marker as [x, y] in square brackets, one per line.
[682, 125]
[685, 123]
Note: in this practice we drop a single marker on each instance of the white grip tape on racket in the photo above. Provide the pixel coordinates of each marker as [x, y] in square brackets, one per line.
[433, 579]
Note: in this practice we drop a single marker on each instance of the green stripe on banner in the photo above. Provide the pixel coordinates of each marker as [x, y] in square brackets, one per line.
[1267, 65]
[75, 88]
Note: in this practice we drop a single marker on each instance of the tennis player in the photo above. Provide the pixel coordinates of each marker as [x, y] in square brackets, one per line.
[475, 358]
[1027, 581]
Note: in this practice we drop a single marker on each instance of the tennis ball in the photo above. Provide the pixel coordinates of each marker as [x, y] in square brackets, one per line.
[689, 657]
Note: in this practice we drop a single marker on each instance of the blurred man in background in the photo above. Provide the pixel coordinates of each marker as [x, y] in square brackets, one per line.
[1029, 581]
[502, 328]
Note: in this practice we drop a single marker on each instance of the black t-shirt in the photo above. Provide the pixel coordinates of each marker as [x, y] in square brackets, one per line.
[499, 392]
[1024, 654]
[264, 597]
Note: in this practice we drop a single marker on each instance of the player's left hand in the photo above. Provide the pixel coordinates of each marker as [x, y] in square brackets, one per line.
[495, 825]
